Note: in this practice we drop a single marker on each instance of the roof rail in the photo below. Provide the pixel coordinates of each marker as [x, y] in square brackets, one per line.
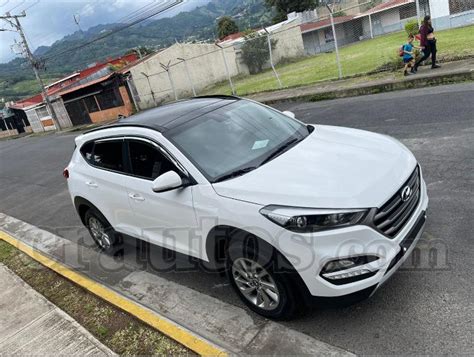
[221, 96]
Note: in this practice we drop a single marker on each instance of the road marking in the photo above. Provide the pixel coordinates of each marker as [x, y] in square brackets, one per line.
[178, 333]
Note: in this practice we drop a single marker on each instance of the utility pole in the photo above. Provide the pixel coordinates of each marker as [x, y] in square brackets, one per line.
[34, 64]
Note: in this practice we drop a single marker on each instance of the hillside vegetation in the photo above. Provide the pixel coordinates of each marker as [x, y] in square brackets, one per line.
[196, 25]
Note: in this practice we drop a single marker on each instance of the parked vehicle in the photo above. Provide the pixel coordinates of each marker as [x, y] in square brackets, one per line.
[293, 212]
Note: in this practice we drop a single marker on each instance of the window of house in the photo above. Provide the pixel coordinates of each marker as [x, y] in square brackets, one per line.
[457, 6]
[407, 11]
[328, 35]
[91, 104]
[42, 112]
[147, 161]
[108, 155]
[109, 98]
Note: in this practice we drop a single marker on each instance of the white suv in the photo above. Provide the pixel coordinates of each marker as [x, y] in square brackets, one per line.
[290, 211]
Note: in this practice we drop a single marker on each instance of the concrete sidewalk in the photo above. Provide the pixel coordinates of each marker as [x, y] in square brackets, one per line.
[31, 325]
[450, 72]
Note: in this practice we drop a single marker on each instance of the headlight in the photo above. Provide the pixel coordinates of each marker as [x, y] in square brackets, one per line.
[306, 220]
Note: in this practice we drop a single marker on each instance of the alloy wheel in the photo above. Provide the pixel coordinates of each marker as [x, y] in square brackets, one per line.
[99, 234]
[256, 284]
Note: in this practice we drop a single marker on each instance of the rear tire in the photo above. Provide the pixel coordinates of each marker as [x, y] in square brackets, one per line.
[255, 276]
[104, 236]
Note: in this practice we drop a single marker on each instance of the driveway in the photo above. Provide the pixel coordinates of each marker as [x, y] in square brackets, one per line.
[426, 307]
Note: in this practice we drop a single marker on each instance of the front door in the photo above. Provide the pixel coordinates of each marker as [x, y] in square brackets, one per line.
[167, 218]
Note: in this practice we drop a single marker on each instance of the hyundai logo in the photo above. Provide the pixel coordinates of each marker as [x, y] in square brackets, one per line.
[406, 193]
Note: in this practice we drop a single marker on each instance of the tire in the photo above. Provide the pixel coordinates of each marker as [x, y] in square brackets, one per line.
[268, 283]
[104, 236]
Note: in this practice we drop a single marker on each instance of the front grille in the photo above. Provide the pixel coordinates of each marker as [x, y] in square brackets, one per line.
[393, 215]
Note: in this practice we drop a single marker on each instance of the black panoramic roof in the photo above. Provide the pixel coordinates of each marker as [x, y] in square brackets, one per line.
[174, 114]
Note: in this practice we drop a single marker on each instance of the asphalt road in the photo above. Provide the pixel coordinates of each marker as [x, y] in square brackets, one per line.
[425, 308]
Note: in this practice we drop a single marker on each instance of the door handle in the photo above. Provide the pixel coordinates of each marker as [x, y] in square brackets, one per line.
[136, 197]
[92, 184]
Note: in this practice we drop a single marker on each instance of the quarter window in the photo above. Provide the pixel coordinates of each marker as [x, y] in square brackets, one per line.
[108, 155]
[86, 151]
[147, 161]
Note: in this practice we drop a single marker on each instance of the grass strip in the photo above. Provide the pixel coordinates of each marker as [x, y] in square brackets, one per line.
[121, 332]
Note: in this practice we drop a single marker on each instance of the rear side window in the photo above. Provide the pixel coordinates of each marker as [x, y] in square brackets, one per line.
[108, 155]
[147, 161]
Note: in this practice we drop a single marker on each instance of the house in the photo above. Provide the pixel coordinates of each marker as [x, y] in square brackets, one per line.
[100, 100]
[386, 17]
[13, 121]
[318, 36]
[389, 16]
[98, 77]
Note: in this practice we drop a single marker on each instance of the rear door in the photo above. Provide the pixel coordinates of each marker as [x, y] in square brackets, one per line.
[103, 180]
[167, 218]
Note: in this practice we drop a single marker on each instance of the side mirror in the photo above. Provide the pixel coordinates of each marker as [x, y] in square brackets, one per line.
[168, 181]
[289, 114]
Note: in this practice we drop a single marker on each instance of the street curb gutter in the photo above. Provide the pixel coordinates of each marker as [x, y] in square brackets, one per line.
[178, 333]
[308, 95]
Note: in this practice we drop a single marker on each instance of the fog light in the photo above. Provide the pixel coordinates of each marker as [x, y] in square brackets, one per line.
[337, 265]
[347, 263]
[344, 271]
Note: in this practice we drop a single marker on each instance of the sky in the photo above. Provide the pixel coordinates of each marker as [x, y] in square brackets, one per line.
[49, 20]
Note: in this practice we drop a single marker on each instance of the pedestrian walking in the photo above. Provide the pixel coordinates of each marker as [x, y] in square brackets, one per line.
[428, 43]
[407, 52]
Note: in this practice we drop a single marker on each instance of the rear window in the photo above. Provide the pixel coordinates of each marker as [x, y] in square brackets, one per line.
[108, 155]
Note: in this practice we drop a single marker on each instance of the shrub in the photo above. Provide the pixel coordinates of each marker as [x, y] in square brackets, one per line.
[339, 13]
[411, 27]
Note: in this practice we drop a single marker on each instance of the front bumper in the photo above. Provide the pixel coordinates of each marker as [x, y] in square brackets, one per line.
[309, 254]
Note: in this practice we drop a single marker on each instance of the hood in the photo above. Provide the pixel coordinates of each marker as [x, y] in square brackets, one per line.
[333, 167]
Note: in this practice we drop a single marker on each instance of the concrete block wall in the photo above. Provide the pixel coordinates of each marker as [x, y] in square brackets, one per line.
[206, 67]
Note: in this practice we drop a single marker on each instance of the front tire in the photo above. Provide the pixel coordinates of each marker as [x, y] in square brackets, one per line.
[104, 236]
[256, 278]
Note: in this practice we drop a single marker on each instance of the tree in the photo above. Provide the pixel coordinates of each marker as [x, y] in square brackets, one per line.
[284, 7]
[226, 26]
[255, 51]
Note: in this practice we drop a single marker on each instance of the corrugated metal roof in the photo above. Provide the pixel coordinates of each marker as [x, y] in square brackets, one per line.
[88, 84]
[385, 6]
[313, 26]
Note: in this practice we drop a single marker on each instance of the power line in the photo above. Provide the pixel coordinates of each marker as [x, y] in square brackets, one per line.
[29, 7]
[112, 32]
[14, 21]
[13, 8]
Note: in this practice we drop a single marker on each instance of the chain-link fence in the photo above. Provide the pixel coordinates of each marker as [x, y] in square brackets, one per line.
[345, 38]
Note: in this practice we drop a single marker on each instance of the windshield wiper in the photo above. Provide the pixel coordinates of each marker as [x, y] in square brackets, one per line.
[280, 150]
[235, 173]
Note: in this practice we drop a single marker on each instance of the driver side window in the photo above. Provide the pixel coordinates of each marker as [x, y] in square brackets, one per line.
[146, 161]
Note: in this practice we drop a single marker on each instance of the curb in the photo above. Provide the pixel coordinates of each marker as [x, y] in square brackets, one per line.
[178, 333]
[226, 328]
[367, 89]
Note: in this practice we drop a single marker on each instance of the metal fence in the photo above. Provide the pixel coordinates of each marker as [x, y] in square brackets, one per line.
[347, 38]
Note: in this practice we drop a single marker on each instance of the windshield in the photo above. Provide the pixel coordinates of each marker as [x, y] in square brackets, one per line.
[236, 138]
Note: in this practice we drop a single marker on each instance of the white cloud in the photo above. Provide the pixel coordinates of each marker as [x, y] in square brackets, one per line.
[50, 20]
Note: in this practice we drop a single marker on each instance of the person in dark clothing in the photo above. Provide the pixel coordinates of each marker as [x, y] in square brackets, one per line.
[427, 43]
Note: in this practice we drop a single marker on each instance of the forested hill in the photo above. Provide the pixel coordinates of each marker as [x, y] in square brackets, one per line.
[198, 24]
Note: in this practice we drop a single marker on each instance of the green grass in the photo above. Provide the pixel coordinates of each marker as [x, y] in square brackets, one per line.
[121, 332]
[358, 58]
